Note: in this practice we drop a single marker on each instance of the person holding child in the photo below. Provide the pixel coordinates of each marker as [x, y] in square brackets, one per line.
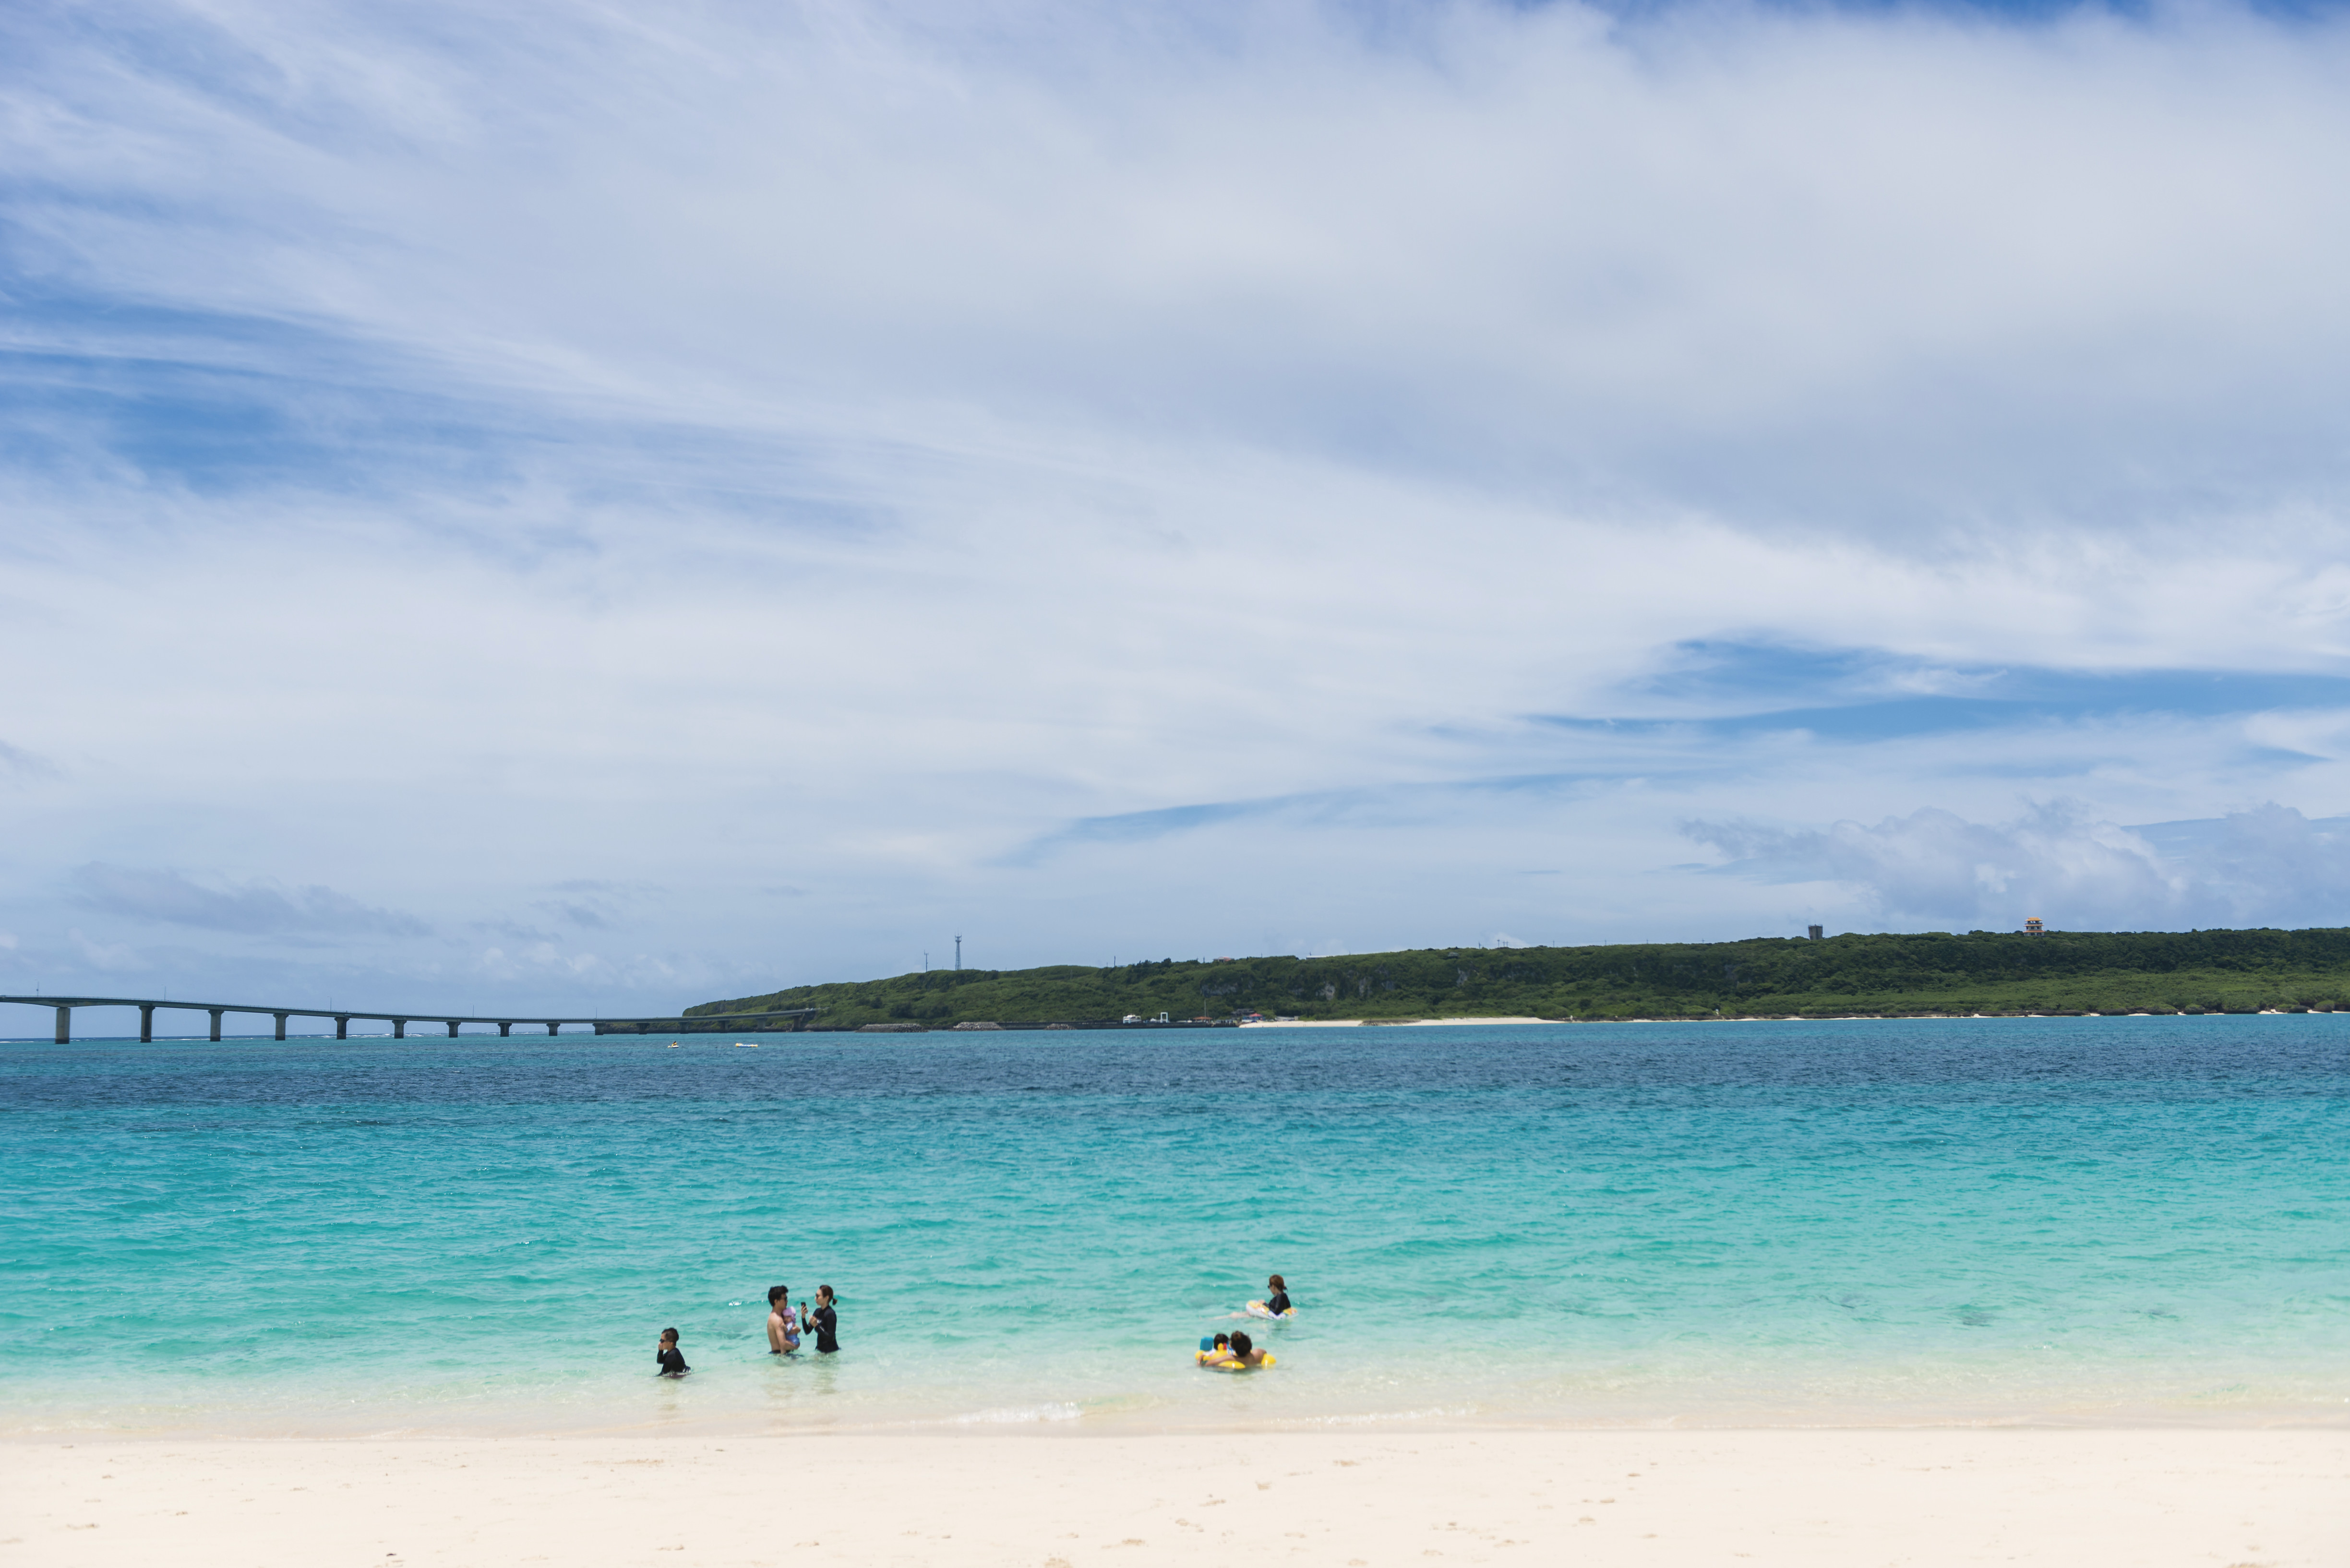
[783, 1330]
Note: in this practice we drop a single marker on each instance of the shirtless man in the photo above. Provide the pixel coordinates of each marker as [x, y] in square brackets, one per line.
[783, 1331]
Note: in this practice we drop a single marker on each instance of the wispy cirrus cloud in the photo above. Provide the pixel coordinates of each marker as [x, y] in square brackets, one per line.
[21, 765]
[597, 904]
[251, 908]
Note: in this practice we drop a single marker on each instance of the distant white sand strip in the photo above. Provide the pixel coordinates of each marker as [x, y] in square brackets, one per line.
[1384, 1022]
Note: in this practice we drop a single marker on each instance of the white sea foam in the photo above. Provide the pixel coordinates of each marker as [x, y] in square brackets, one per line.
[1019, 1415]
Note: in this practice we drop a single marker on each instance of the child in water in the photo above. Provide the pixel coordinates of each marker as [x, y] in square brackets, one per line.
[783, 1330]
[1213, 1346]
[672, 1363]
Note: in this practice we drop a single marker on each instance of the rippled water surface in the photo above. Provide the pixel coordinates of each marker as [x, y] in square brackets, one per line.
[2081, 1220]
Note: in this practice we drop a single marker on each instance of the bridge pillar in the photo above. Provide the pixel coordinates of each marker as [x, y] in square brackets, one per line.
[452, 1029]
[216, 1011]
[399, 1029]
[552, 1028]
[342, 1025]
[65, 1025]
[505, 1029]
[281, 1025]
[146, 1024]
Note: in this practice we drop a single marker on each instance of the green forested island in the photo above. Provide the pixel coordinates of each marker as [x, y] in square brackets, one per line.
[1931, 973]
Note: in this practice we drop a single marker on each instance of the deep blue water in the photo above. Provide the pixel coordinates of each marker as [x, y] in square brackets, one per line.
[2062, 1219]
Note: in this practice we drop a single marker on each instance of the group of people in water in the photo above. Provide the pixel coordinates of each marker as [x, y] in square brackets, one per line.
[1237, 1352]
[786, 1329]
[822, 1321]
[1234, 1350]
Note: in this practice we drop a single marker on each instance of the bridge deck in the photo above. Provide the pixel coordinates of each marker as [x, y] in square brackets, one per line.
[399, 1018]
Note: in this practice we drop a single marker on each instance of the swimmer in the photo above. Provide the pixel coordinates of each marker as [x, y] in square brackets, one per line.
[824, 1322]
[1212, 1347]
[1243, 1353]
[1278, 1301]
[673, 1364]
[783, 1331]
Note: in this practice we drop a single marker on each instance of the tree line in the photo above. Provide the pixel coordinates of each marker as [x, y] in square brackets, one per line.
[1886, 973]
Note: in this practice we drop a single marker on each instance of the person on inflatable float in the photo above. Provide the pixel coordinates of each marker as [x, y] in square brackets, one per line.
[1236, 1354]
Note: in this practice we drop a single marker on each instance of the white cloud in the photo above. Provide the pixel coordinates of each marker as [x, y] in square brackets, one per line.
[2059, 862]
[1805, 262]
[496, 460]
[101, 957]
[251, 908]
[19, 764]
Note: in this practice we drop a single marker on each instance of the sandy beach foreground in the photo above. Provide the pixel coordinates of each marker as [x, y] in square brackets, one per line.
[1817, 1499]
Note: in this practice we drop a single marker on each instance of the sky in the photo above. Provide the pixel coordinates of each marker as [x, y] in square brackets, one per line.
[609, 507]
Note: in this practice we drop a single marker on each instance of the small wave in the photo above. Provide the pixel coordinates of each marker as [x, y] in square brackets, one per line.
[1370, 1417]
[1019, 1415]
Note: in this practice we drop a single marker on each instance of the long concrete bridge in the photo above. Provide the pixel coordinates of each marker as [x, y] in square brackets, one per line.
[789, 1019]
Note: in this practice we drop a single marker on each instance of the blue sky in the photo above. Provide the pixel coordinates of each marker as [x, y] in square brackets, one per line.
[564, 506]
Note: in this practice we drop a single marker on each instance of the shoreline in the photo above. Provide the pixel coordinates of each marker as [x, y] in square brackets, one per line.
[826, 1032]
[1761, 1018]
[1835, 1499]
[1389, 1022]
[1116, 1419]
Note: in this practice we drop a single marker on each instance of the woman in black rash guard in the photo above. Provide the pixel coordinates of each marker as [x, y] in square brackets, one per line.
[824, 1322]
[1278, 1301]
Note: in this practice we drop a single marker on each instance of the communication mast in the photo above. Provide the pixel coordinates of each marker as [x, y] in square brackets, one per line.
[958, 953]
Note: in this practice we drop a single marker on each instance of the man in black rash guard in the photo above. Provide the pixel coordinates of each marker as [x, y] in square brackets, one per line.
[825, 1322]
[672, 1363]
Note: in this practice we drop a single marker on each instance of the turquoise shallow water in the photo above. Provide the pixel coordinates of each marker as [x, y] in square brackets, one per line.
[2063, 1220]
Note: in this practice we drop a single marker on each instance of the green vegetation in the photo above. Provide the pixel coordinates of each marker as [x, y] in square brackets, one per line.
[1932, 972]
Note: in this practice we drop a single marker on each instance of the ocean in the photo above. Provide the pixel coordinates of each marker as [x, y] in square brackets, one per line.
[2081, 1220]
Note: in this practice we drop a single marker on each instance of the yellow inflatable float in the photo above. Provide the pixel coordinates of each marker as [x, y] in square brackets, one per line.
[1202, 1357]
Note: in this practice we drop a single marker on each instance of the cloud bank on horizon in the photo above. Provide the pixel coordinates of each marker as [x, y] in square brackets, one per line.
[567, 506]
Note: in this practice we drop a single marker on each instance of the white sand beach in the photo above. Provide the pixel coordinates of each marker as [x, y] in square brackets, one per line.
[1660, 1499]
[1386, 1022]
